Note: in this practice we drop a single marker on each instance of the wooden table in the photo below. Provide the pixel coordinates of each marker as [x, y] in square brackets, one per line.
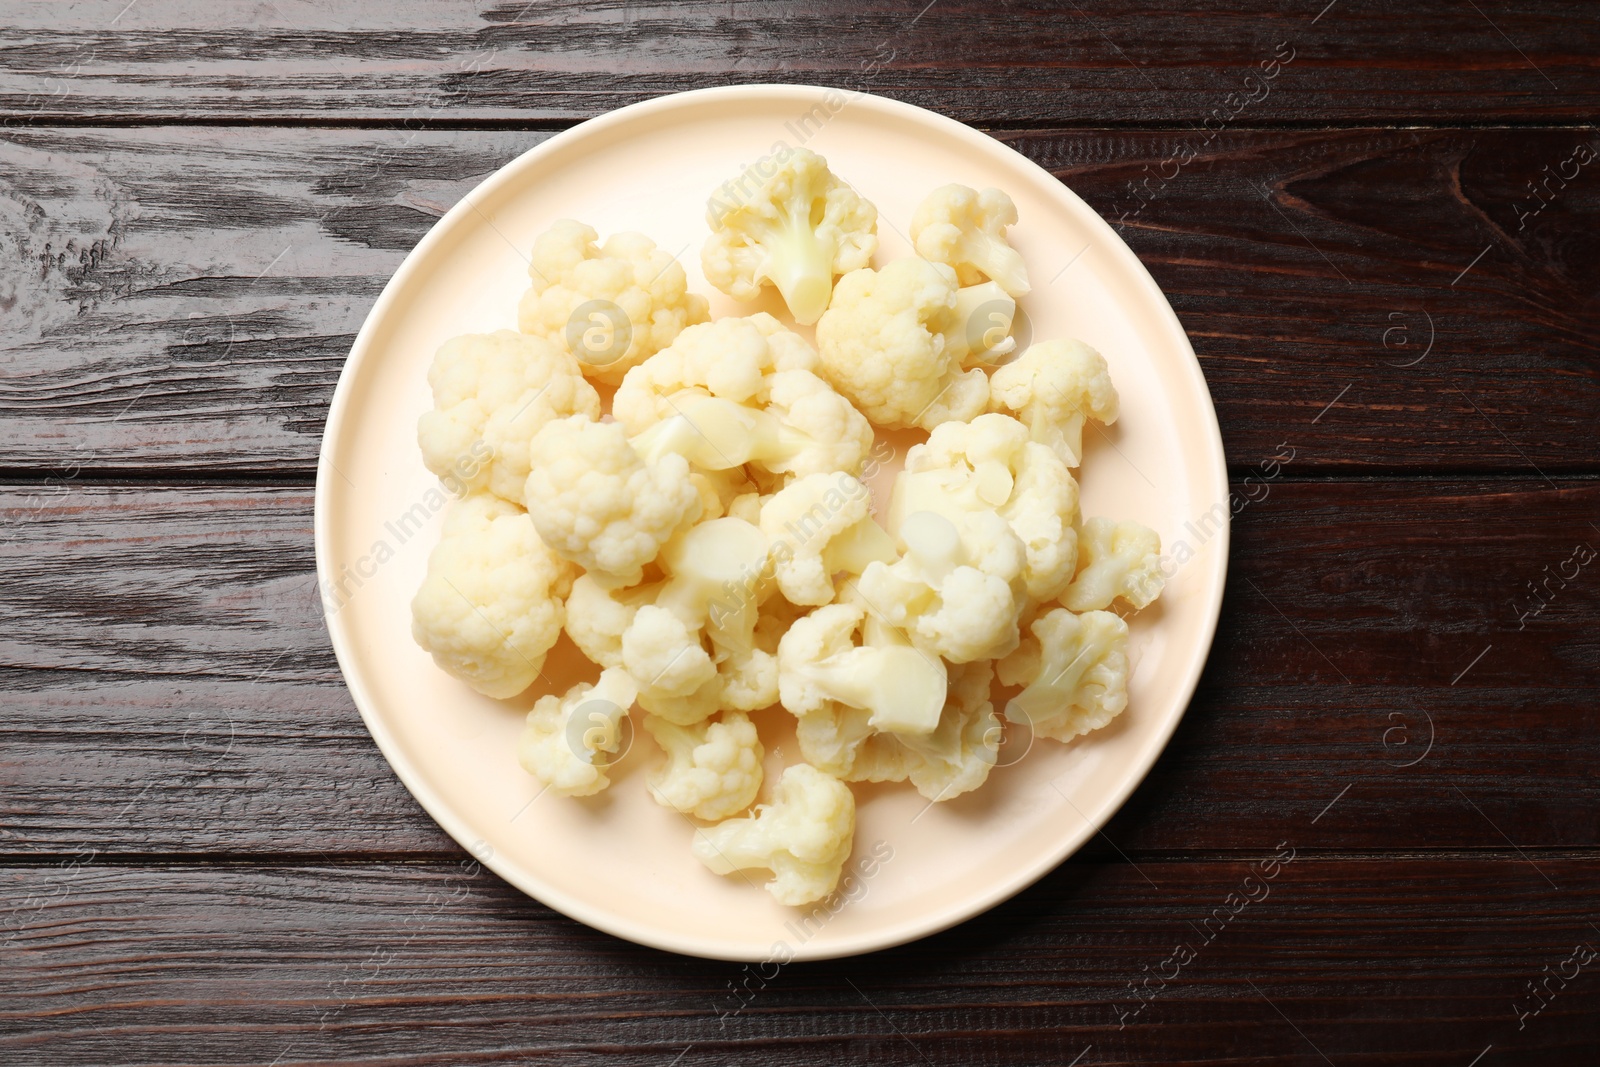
[1387, 254]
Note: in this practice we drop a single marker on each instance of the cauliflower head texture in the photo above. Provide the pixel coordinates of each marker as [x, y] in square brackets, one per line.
[968, 469]
[958, 755]
[817, 527]
[491, 393]
[803, 837]
[892, 343]
[1074, 670]
[742, 390]
[795, 229]
[491, 604]
[1115, 559]
[610, 306]
[567, 739]
[957, 590]
[1055, 387]
[820, 665]
[596, 502]
[713, 769]
[965, 229]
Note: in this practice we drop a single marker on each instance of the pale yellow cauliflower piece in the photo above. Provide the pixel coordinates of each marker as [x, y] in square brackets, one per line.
[491, 394]
[491, 604]
[1075, 672]
[1055, 387]
[596, 502]
[821, 666]
[611, 306]
[567, 739]
[598, 616]
[958, 756]
[738, 391]
[966, 229]
[1115, 559]
[893, 343]
[694, 649]
[989, 464]
[953, 759]
[819, 526]
[795, 229]
[958, 590]
[713, 769]
[803, 837]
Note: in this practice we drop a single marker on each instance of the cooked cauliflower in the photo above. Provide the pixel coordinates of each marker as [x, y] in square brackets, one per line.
[742, 390]
[803, 837]
[598, 616]
[990, 465]
[666, 657]
[817, 527]
[1054, 387]
[714, 590]
[957, 590]
[1075, 672]
[491, 394]
[578, 291]
[795, 230]
[953, 759]
[958, 756]
[819, 665]
[893, 344]
[597, 503]
[1115, 559]
[966, 229]
[491, 604]
[566, 738]
[713, 769]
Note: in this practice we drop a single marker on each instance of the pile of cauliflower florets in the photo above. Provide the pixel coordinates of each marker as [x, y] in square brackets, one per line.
[709, 543]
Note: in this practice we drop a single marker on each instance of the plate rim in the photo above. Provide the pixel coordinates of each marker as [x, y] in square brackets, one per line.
[597, 917]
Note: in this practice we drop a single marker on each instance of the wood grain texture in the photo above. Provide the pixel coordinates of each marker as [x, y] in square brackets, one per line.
[1372, 962]
[172, 690]
[184, 297]
[1069, 63]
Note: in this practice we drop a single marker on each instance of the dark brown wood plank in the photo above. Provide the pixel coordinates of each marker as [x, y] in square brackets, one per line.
[1095, 61]
[169, 686]
[185, 297]
[1379, 962]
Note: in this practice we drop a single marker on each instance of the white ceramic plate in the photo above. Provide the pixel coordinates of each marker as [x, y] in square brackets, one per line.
[618, 861]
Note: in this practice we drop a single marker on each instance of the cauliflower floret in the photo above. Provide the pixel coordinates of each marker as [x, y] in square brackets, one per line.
[742, 390]
[954, 758]
[491, 394]
[490, 606]
[578, 291]
[820, 665]
[795, 231]
[990, 464]
[966, 229]
[598, 616]
[714, 591]
[596, 502]
[566, 738]
[1115, 559]
[713, 769]
[803, 837]
[1075, 669]
[958, 590]
[1054, 387]
[958, 756]
[733, 358]
[892, 342]
[817, 527]
[666, 657]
